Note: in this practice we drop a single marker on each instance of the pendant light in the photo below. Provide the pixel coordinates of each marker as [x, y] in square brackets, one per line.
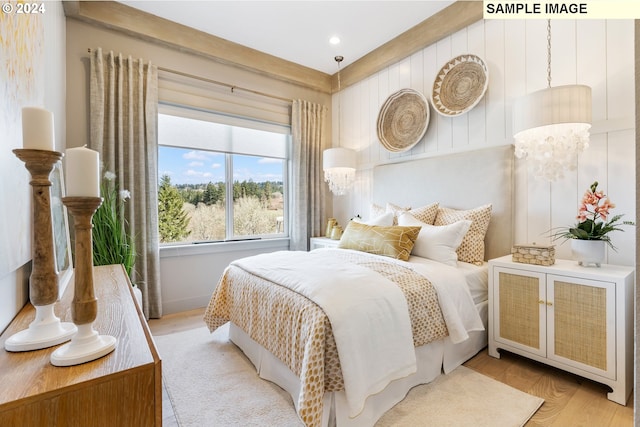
[551, 126]
[339, 164]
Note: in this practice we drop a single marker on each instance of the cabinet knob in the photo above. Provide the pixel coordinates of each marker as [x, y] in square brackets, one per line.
[540, 302]
[549, 303]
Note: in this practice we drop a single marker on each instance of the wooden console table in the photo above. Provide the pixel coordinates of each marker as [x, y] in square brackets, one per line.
[123, 388]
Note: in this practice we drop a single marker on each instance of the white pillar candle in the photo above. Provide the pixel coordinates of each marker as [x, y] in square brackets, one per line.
[37, 129]
[83, 172]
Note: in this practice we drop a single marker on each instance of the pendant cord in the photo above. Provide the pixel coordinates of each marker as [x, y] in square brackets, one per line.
[339, 59]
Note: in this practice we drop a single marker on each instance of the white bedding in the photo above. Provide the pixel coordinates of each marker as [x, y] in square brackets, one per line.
[369, 361]
[457, 289]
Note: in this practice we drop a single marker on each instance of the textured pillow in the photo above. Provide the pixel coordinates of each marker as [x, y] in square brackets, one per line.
[385, 219]
[438, 243]
[376, 210]
[472, 247]
[395, 241]
[426, 214]
[396, 210]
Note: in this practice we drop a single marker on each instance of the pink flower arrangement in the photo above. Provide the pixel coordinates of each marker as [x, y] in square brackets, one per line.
[595, 205]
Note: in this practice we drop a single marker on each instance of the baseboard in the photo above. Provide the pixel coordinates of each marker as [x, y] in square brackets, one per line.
[177, 306]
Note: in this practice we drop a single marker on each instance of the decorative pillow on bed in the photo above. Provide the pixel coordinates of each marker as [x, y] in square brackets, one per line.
[438, 243]
[472, 247]
[396, 210]
[385, 219]
[395, 241]
[426, 214]
[376, 211]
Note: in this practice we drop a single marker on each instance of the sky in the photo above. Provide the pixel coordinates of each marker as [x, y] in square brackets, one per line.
[188, 166]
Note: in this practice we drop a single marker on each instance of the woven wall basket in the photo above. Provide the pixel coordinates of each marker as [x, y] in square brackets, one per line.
[459, 85]
[403, 119]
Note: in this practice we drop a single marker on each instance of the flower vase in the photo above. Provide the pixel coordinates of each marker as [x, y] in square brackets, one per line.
[588, 251]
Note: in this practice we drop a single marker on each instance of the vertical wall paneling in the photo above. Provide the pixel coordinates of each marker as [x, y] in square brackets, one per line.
[445, 125]
[417, 83]
[459, 124]
[372, 143]
[494, 100]
[430, 69]
[593, 52]
[620, 66]
[477, 117]
[621, 183]
[384, 91]
[592, 69]
[563, 52]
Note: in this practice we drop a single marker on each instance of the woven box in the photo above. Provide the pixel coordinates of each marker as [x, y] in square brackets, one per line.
[533, 254]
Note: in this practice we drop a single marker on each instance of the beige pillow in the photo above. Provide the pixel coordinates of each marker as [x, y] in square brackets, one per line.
[396, 210]
[395, 241]
[376, 211]
[472, 247]
[426, 214]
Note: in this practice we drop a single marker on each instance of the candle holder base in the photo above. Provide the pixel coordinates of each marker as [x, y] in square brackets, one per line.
[45, 331]
[85, 346]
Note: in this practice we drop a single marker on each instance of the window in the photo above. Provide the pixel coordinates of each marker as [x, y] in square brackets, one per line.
[205, 160]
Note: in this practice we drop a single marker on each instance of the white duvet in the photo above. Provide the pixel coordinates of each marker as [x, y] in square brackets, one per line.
[357, 299]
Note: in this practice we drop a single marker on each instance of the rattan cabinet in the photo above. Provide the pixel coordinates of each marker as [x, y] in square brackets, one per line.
[579, 319]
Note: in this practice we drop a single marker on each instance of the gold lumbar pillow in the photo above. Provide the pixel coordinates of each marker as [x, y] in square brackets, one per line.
[392, 241]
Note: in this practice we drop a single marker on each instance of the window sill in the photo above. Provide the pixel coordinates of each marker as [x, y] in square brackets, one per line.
[223, 247]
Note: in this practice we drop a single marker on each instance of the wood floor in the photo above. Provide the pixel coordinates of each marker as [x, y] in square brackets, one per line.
[569, 400]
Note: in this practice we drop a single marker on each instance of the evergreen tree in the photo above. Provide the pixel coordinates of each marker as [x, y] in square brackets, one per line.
[172, 219]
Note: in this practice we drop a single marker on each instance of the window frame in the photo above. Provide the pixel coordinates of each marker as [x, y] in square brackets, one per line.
[188, 112]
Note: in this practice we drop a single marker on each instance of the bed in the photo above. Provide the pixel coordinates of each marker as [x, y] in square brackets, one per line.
[291, 333]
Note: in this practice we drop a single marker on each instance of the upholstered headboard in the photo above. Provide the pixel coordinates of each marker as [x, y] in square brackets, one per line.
[462, 180]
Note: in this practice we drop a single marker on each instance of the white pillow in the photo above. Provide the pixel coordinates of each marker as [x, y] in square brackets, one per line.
[437, 242]
[386, 219]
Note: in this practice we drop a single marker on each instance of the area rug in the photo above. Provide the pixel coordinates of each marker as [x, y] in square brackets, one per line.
[211, 383]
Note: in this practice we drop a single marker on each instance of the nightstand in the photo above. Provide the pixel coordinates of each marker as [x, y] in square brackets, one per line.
[322, 242]
[579, 319]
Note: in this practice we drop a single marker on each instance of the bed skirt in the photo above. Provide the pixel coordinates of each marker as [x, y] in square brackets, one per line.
[435, 358]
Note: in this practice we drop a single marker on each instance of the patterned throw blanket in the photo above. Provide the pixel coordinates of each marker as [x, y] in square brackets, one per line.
[299, 333]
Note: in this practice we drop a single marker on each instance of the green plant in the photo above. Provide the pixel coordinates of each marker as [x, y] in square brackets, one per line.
[593, 212]
[112, 243]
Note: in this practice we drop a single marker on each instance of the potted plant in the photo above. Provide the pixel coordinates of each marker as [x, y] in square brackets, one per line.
[112, 243]
[589, 236]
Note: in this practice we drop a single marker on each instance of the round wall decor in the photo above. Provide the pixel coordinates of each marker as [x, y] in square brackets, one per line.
[459, 85]
[403, 119]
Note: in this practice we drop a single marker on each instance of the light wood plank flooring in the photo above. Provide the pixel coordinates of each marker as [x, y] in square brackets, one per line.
[569, 400]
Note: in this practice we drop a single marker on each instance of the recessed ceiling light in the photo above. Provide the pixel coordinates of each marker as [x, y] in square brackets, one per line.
[334, 40]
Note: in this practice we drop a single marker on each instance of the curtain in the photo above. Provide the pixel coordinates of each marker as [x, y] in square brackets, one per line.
[124, 115]
[308, 191]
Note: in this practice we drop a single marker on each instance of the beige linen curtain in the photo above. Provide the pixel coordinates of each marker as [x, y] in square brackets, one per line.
[124, 115]
[308, 189]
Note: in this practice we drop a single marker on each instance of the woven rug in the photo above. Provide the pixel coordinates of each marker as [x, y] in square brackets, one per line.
[211, 383]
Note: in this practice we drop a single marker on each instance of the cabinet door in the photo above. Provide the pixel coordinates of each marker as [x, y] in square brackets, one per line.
[582, 324]
[519, 309]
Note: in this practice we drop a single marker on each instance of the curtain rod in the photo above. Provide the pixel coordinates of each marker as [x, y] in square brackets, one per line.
[230, 86]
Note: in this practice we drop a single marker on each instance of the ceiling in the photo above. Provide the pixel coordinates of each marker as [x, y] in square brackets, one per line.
[299, 31]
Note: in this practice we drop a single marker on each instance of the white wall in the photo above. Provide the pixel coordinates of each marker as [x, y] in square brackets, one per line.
[597, 53]
[14, 286]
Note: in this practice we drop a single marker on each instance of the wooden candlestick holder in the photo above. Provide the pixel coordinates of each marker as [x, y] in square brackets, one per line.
[86, 344]
[46, 330]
